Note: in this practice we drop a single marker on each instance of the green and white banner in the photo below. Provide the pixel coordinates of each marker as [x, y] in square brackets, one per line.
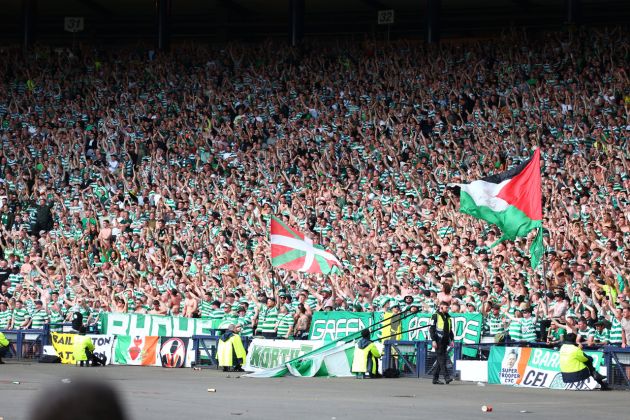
[467, 329]
[272, 358]
[331, 326]
[534, 367]
[264, 354]
[139, 325]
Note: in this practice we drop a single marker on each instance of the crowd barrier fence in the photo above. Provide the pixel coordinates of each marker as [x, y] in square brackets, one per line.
[411, 358]
[415, 358]
[27, 344]
[205, 349]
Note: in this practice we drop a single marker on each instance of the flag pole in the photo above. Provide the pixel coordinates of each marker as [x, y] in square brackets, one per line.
[544, 261]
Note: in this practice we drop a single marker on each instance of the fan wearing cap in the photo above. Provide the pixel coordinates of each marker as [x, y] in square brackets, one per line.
[366, 355]
[326, 298]
[496, 321]
[601, 335]
[392, 325]
[407, 302]
[471, 307]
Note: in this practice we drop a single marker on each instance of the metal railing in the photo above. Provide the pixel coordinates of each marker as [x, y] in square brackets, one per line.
[416, 358]
[205, 349]
[617, 361]
[26, 344]
[66, 327]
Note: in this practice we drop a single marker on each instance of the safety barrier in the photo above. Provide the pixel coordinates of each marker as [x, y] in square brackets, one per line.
[205, 349]
[27, 344]
[66, 327]
[618, 366]
[415, 358]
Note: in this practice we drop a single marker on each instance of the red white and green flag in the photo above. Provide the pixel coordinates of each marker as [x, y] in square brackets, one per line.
[293, 250]
[512, 200]
[137, 350]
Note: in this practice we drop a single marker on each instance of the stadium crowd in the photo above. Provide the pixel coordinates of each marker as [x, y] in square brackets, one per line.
[138, 183]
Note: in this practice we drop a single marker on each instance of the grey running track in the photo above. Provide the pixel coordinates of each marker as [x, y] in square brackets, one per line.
[151, 393]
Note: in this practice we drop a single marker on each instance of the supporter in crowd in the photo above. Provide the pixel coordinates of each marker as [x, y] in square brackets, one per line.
[138, 185]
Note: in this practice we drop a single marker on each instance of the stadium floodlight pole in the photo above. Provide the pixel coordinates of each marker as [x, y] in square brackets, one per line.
[28, 21]
[296, 21]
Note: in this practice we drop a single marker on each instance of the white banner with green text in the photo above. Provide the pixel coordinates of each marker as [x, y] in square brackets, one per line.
[534, 367]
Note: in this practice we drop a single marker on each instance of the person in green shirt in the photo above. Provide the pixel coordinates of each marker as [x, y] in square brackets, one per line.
[528, 326]
[602, 335]
[555, 334]
[205, 305]
[245, 321]
[21, 317]
[514, 329]
[39, 317]
[267, 319]
[284, 326]
[6, 316]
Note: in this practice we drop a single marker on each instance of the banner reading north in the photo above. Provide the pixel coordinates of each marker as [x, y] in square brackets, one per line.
[265, 354]
[63, 343]
[276, 358]
[534, 367]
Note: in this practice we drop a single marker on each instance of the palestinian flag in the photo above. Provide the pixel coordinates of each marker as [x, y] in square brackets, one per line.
[511, 200]
[292, 250]
[137, 350]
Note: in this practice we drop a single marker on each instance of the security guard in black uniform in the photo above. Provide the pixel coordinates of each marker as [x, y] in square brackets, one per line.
[441, 331]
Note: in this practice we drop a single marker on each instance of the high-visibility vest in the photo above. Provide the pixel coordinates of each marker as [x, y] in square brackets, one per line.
[439, 325]
[227, 349]
[361, 356]
[572, 359]
[81, 343]
[3, 341]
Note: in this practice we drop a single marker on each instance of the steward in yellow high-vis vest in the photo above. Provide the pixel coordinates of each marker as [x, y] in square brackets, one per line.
[4, 345]
[83, 348]
[576, 366]
[231, 353]
[392, 324]
[366, 356]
